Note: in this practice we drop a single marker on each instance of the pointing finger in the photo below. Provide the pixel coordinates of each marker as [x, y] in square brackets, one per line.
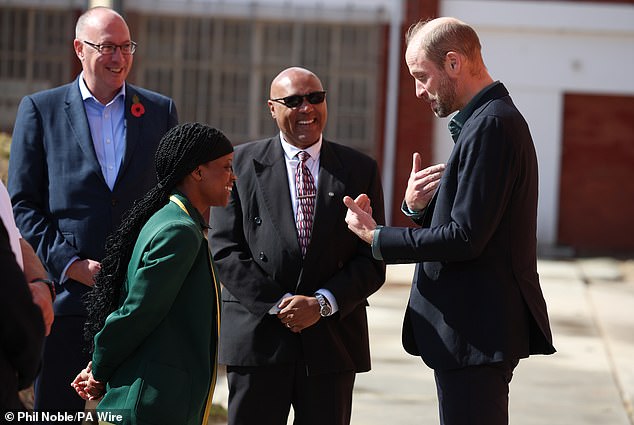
[352, 206]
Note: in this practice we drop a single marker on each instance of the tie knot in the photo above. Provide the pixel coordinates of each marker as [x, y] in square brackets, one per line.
[303, 156]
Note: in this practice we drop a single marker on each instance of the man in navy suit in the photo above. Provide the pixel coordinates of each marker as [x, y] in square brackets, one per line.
[476, 306]
[81, 154]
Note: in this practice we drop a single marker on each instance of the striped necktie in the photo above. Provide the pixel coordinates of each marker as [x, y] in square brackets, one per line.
[306, 193]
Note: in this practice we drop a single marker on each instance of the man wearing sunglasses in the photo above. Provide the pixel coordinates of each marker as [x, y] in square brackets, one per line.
[81, 154]
[296, 281]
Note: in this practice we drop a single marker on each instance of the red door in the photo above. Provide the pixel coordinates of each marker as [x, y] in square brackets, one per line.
[596, 200]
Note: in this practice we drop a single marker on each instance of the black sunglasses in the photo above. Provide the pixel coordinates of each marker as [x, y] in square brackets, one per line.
[296, 100]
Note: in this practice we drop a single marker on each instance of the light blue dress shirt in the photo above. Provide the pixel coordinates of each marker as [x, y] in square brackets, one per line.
[108, 131]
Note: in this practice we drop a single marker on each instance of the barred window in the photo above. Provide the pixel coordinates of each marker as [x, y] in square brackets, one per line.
[36, 51]
[218, 71]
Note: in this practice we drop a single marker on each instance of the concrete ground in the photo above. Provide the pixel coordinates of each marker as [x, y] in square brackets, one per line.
[589, 381]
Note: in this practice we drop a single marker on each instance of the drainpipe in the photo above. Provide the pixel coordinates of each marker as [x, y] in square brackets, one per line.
[113, 4]
[391, 107]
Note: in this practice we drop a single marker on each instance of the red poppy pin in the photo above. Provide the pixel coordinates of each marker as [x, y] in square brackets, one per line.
[137, 108]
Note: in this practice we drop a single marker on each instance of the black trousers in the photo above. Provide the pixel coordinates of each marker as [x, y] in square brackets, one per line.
[475, 395]
[64, 357]
[263, 396]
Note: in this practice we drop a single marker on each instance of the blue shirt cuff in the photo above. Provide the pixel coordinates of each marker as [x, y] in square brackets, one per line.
[63, 278]
[410, 213]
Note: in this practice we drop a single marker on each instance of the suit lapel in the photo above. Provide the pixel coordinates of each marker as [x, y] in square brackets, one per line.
[329, 202]
[78, 122]
[272, 180]
[133, 129]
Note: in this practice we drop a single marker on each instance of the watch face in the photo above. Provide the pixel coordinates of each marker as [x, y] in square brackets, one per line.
[324, 307]
[324, 310]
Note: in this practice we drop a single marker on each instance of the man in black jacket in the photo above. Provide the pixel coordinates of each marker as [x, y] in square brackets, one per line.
[21, 330]
[294, 329]
[476, 306]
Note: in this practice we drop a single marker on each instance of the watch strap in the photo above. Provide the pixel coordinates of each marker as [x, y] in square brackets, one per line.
[325, 309]
[49, 283]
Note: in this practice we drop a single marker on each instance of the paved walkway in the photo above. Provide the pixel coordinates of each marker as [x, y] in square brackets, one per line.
[589, 381]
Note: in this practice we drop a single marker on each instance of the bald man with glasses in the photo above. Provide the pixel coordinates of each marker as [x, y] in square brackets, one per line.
[81, 154]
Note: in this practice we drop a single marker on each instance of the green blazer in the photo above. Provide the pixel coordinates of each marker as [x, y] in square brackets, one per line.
[157, 352]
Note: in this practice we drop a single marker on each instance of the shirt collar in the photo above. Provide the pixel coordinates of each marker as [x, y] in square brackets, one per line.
[458, 120]
[291, 151]
[86, 94]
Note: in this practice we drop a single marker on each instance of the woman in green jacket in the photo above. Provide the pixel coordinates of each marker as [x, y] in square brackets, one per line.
[154, 311]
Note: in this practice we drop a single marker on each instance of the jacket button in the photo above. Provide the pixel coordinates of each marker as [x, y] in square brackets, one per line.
[257, 220]
[114, 202]
[262, 256]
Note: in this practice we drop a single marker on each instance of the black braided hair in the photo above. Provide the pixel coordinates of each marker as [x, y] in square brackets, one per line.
[179, 152]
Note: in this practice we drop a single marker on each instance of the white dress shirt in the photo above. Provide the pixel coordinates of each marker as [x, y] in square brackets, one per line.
[292, 162]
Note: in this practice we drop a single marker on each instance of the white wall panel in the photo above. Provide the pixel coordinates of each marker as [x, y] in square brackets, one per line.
[541, 50]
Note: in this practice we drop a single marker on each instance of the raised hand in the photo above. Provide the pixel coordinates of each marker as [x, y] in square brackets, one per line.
[422, 183]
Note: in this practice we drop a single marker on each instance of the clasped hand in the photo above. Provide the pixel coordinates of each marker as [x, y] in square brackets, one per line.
[299, 312]
[86, 386]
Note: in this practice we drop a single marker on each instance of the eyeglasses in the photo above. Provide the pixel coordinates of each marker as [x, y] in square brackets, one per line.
[109, 49]
[295, 100]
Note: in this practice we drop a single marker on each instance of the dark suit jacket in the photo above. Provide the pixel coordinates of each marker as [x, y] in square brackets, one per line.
[61, 202]
[21, 329]
[254, 244]
[476, 296]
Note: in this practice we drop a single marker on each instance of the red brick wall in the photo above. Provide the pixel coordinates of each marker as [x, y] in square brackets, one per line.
[415, 120]
[596, 210]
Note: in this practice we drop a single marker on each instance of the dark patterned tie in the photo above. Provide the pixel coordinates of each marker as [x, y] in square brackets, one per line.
[306, 193]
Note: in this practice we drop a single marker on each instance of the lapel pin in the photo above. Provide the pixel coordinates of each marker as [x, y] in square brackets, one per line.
[331, 194]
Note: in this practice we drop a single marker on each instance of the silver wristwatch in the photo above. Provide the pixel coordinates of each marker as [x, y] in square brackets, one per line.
[324, 306]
